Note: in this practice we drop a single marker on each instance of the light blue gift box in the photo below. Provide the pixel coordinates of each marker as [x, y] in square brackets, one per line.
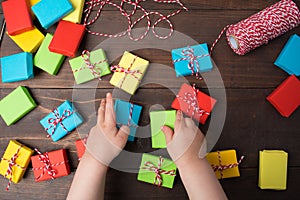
[122, 109]
[289, 57]
[181, 67]
[70, 122]
[49, 12]
[17, 67]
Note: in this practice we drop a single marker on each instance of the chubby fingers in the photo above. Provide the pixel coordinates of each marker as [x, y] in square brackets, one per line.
[168, 133]
[109, 110]
[180, 121]
[101, 112]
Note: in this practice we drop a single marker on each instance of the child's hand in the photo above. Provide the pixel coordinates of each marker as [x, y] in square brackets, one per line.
[105, 141]
[186, 143]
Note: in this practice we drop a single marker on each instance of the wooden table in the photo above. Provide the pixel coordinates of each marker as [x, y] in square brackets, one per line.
[251, 124]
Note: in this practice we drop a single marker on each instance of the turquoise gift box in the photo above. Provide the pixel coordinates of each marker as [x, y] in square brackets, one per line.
[17, 67]
[49, 12]
[61, 121]
[182, 59]
[122, 109]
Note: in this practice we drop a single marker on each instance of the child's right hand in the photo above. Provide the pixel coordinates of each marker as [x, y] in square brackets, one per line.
[186, 142]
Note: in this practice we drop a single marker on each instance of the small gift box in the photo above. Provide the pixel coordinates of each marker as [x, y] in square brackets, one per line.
[157, 120]
[272, 169]
[49, 12]
[157, 170]
[129, 72]
[46, 60]
[289, 57]
[89, 65]
[16, 105]
[61, 121]
[67, 38]
[17, 16]
[50, 165]
[128, 114]
[15, 161]
[80, 147]
[75, 16]
[29, 41]
[191, 60]
[286, 97]
[17, 67]
[194, 103]
[224, 163]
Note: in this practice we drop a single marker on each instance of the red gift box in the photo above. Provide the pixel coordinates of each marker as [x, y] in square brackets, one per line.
[50, 165]
[67, 38]
[194, 103]
[80, 146]
[17, 16]
[286, 97]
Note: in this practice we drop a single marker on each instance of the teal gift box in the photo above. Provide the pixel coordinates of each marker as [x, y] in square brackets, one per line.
[153, 166]
[17, 67]
[183, 61]
[61, 121]
[128, 114]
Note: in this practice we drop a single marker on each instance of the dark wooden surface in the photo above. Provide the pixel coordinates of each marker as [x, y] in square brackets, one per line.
[251, 124]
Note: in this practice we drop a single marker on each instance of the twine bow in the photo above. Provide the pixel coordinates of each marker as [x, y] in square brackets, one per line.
[193, 65]
[221, 167]
[11, 164]
[57, 120]
[158, 171]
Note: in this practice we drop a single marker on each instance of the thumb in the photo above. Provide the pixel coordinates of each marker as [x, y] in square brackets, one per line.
[122, 135]
[168, 133]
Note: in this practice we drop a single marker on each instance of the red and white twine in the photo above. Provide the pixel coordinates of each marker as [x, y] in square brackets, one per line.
[129, 124]
[136, 4]
[158, 171]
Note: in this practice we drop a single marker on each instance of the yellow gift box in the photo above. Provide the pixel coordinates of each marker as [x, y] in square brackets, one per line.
[22, 160]
[221, 159]
[28, 41]
[76, 15]
[135, 68]
[272, 169]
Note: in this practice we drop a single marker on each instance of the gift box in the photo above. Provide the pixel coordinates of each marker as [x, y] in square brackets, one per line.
[75, 16]
[61, 121]
[128, 114]
[272, 169]
[17, 16]
[17, 67]
[67, 38]
[89, 65]
[157, 120]
[80, 147]
[50, 165]
[157, 170]
[129, 72]
[16, 105]
[49, 12]
[194, 103]
[29, 41]
[289, 57]
[224, 163]
[46, 60]
[18, 156]
[191, 60]
[286, 97]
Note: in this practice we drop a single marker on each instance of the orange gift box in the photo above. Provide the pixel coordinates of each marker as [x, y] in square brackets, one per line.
[194, 103]
[58, 162]
[80, 146]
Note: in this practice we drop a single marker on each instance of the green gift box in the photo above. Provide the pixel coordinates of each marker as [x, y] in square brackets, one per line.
[16, 105]
[46, 60]
[89, 65]
[157, 170]
[157, 120]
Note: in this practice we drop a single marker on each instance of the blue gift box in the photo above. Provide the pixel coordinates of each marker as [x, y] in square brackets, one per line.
[289, 57]
[17, 67]
[122, 109]
[61, 121]
[49, 12]
[200, 51]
